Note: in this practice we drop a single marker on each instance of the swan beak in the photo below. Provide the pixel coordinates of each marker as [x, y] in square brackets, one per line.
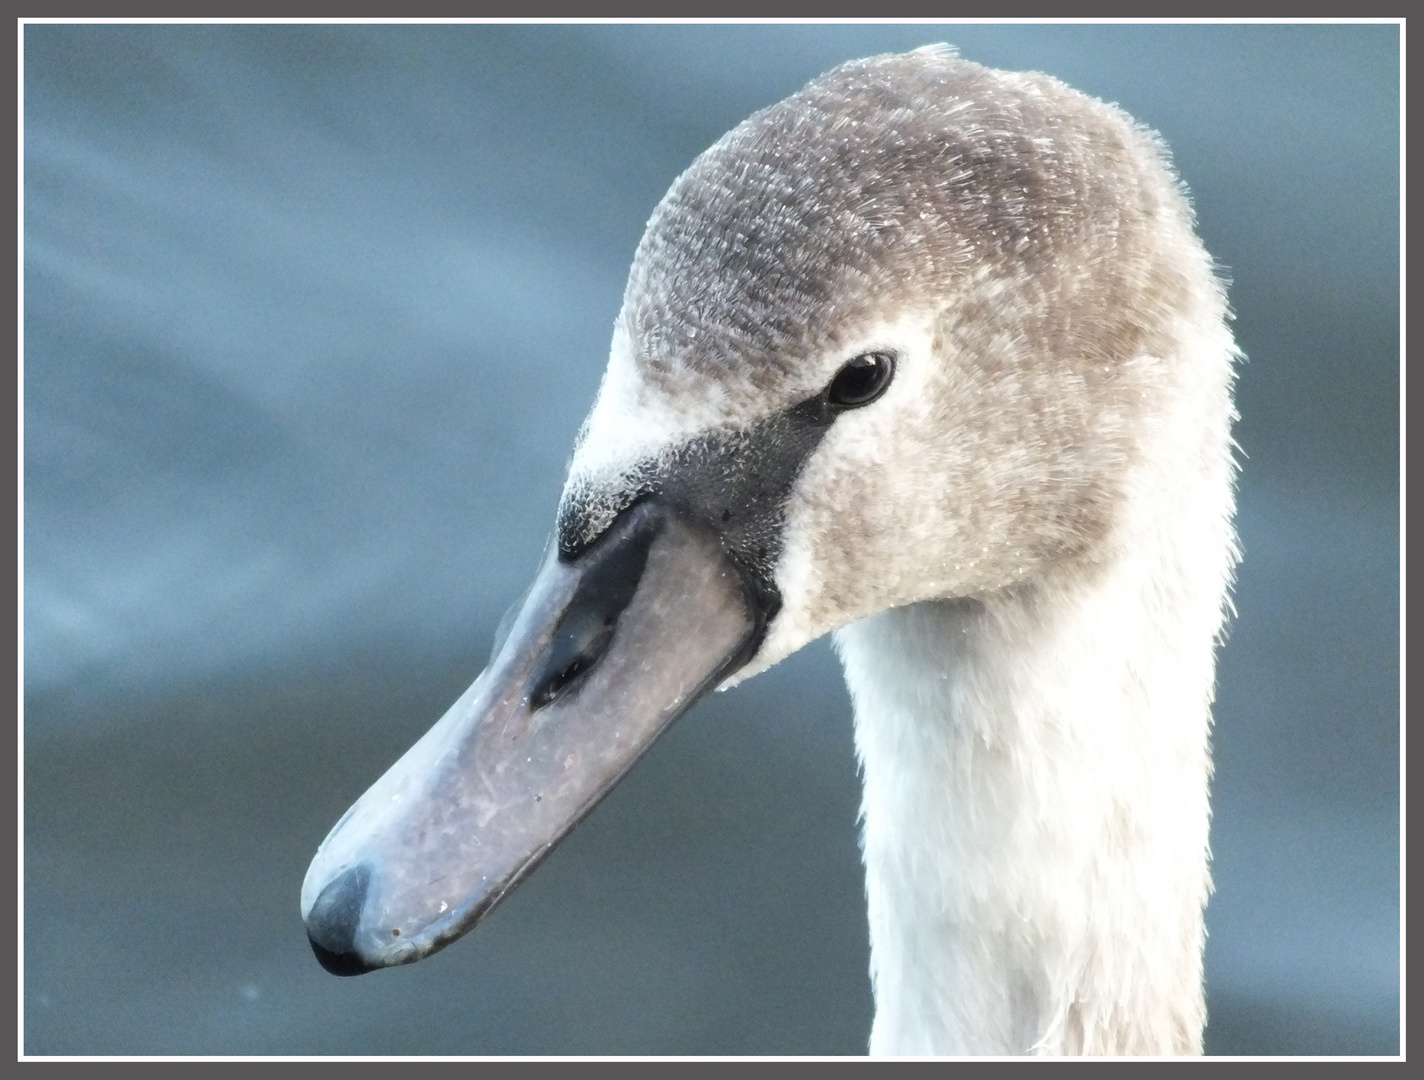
[607, 651]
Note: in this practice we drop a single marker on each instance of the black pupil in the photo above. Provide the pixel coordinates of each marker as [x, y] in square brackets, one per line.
[861, 380]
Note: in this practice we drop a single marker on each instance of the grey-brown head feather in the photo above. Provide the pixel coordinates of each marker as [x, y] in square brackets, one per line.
[880, 185]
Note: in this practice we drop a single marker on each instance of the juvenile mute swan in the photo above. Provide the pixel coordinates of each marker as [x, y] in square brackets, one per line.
[930, 356]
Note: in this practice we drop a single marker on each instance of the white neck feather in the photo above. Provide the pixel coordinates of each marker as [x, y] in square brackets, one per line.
[1036, 764]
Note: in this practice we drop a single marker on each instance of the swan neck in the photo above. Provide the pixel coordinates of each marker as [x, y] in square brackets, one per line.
[1035, 809]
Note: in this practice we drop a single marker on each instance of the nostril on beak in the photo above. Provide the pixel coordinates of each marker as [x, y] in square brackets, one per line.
[334, 919]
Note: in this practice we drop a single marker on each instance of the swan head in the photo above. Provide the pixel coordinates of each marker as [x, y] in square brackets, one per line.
[1011, 251]
[895, 338]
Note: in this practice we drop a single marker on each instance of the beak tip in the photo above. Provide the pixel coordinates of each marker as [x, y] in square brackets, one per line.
[339, 963]
[334, 920]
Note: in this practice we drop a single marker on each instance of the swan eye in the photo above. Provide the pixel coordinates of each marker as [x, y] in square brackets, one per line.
[862, 380]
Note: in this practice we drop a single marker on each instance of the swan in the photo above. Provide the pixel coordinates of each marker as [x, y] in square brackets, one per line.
[927, 356]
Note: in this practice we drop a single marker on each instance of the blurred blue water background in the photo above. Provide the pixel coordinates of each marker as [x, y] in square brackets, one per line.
[312, 315]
